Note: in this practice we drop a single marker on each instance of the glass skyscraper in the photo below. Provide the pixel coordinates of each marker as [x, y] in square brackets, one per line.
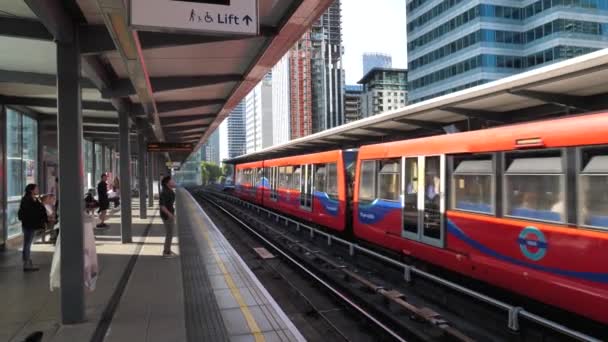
[457, 44]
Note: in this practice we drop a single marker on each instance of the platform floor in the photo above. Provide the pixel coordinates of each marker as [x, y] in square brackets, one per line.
[205, 294]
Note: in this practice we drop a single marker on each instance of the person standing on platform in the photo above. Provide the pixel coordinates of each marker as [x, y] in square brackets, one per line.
[167, 213]
[32, 215]
[104, 201]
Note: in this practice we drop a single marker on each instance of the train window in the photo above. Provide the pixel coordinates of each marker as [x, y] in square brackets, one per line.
[259, 176]
[296, 178]
[389, 184]
[282, 178]
[320, 178]
[332, 180]
[593, 188]
[472, 184]
[367, 183]
[534, 186]
[288, 177]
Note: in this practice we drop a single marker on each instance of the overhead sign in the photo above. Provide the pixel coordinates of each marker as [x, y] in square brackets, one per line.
[170, 147]
[173, 165]
[219, 16]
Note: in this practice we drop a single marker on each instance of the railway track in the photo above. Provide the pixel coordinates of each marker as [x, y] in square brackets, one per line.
[400, 300]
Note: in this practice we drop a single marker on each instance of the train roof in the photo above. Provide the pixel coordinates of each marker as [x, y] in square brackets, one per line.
[580, 130]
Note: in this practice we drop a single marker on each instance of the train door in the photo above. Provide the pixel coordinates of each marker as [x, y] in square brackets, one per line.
[424, 199]
[274, 180]
[306, 187]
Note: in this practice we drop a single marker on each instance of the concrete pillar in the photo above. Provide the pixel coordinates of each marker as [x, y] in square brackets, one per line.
[71, 204]
[125, 178]
[141, 175]
[150, 179]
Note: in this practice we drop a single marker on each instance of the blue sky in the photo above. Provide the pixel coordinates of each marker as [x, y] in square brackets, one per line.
[372, 26]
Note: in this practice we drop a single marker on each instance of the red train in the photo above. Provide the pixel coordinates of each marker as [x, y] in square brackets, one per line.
[522, 207]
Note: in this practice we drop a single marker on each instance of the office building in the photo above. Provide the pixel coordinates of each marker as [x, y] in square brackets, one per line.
[236, 137]
[280, 101]
[327, 74]
[300, 104]
[384, 89]
[210, 151]
[258, 117]
[457, 44]
[376, 60]
[352, 102]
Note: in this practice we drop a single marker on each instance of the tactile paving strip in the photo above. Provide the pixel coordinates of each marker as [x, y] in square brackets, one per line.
[203, 319]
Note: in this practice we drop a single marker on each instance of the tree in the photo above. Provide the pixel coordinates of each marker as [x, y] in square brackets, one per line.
[227, 170]
[210, 172]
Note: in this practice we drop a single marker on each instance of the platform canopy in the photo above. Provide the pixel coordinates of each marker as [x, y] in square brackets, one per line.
[177, 86]
[575, 86]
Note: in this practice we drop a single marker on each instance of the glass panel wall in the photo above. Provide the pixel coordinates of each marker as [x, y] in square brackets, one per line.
[98, 166]
[88, 164]
[22, 163]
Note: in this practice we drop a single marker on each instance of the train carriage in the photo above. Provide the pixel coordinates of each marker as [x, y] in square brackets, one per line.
[310, 186]
[523, 207]
[250, 182]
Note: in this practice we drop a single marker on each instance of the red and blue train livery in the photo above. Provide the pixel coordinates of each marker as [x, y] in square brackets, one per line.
[521, 207]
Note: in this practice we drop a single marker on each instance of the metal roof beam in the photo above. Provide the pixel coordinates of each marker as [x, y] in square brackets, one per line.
[99, 40]
[177, 127]
[171, 106]
[352, 136]
[89, 128]
[91, 121]
[185, 119]
[578, 102]
[24, 28]
[52, 103]
[10, 76]
[475, 114]
[55, 19]
[428, 125]
[186, 129]
[99, 76]
[95, 39]
[124, 87]
[385, 131]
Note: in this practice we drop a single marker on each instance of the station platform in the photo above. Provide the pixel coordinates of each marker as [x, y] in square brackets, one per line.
[207, 293]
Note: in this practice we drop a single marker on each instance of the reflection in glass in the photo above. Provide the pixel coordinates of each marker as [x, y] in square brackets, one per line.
[410, 210]
[594, 200]
[432, 195]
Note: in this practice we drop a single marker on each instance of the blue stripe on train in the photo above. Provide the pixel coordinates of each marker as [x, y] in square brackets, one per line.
[590, 276]
[376, 211]
[330, 206]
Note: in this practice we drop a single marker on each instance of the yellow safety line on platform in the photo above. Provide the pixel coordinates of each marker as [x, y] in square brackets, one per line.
[253, 325]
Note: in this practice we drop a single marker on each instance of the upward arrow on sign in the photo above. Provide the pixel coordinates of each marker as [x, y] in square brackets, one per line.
[247, 19]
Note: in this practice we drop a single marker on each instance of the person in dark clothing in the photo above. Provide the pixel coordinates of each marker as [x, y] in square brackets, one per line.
[167, 213]
[104, 201]
[32, 215]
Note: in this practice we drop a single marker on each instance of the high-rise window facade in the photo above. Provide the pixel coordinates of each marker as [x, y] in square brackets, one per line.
[300, 104]
[326, 70]
[456, 44]
[280, 101]
[258, 117]
[384, 89]
[237, 143]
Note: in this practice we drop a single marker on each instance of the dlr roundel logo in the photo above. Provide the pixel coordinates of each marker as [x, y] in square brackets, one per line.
[532, 243]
